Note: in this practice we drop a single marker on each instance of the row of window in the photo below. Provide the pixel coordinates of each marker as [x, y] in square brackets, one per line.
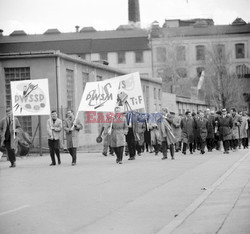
[121, 57]
[200, 51]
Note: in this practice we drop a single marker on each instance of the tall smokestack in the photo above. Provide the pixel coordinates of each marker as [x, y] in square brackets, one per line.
[134, 12]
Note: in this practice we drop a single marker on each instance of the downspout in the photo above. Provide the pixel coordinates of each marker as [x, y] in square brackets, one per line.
[58, 96]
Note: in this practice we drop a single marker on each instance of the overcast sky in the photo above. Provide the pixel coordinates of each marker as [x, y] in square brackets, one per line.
[36, 16]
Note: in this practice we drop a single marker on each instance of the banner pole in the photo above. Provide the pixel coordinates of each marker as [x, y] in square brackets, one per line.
[40, 136]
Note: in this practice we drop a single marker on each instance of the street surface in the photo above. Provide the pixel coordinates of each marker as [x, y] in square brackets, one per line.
[196, 193]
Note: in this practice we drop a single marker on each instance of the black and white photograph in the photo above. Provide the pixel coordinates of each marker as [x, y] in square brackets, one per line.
[124, 117]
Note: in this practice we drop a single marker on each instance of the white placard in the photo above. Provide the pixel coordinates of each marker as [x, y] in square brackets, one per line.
[100, 96]
[30, 97]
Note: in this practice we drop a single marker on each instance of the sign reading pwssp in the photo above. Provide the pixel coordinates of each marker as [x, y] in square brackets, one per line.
[30, 97]
[100, 96]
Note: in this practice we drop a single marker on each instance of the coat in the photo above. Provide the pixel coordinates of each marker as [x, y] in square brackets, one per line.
[176, 127]
[118, 132]
[167, 132]
[72, 135]
[244, 127]
[57, 128]
[3, 127]
[211, 126]
[154, 127]
[225, 127]
[236, 126]
[140, 128]
[202, 128]
[187, 127]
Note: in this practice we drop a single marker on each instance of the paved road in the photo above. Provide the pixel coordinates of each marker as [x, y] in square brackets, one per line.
[192, 194]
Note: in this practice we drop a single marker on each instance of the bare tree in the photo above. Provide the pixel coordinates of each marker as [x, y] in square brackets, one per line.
[222, 87]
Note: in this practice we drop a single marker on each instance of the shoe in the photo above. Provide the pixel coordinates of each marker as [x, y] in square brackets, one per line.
[226, 152]
[120, 162]
[164, 158]
[73, 164]
[172, 158]
[52, 164]
[104, 154]
[156, 154]
[184, 152]
[59, 162]
[139, 154]
[202, 152]
[191, 152]
[112, 154]
[13, 165]
[131, 158]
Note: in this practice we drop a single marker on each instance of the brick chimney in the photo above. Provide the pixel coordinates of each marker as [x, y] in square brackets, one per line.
[134, 12]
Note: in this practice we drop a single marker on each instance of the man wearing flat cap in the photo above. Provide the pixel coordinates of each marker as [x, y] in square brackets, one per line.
[7, 135]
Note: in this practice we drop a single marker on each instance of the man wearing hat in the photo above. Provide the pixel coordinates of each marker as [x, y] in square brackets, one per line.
[225, 124]
[7, 135]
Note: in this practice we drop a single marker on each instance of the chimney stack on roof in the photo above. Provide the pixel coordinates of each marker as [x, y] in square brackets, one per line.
[134, 13]
[77, 28]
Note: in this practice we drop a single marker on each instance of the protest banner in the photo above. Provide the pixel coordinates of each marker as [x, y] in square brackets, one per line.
[30, 97]
[130, 96]
[99, 96]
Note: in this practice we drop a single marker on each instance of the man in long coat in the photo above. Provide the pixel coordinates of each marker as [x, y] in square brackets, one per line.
[72, 127]
[210, 131]
[7, 138]
[243, 130]
[176, 127]
[202, 130]
[167, 136]
[236, 128]
[187, 134]
[225, 124]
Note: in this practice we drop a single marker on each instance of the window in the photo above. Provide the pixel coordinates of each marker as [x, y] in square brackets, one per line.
[161, 54]
[240, 50]
[243, 71]
[181, 72]
[199, 71]
[98, 78]
[139, 56]
[155, 95]
[85, 79]
[70, 89]
[14, 74]
[121, 57]
[200, 52]
[159, 94]
[147, 97]
[180, 53]
[220, 51]
[104, 56]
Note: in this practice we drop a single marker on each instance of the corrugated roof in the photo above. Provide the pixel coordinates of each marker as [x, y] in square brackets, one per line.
[79, 46]
[77, 35]
[206, 31]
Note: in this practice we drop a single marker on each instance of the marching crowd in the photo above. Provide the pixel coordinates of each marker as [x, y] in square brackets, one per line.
[133, 133]
[171, 133]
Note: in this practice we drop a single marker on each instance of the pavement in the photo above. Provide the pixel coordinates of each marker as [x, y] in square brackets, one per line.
[196, 193]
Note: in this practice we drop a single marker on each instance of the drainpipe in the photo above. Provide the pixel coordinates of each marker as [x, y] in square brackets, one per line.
[58, 95]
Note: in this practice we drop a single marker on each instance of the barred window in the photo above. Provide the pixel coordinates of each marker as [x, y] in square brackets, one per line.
[240, 50]
[200, 52]
[139, 56]
[70, 89]
[15, 74]
[121, 57]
